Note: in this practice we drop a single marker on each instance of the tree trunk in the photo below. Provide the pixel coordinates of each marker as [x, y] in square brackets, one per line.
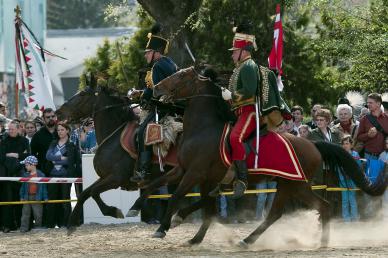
[172, 14]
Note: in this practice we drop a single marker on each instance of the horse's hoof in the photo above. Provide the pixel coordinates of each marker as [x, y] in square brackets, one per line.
[132, 213]
[71, 230]
[159, 234]
[176, 221]
[242, 244]
[119, 214]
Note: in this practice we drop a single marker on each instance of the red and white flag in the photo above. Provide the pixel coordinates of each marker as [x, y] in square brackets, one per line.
[276, 55]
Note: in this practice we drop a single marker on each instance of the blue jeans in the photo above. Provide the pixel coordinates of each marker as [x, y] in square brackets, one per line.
[264, 200]
[223, 206]
[349, 202]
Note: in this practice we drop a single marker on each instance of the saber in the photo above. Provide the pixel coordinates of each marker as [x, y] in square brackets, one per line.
[189, 51]
[257, 131]
[159, 154]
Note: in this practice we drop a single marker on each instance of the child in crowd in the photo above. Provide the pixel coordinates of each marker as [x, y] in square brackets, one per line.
[304, 131]
[349, 203]
[384, 158]
[32, 192]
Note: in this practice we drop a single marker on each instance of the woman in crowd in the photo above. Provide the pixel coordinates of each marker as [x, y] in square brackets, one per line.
[62, 153]
[326, 177]
[347, 126]
[323, 132]
[30, 130]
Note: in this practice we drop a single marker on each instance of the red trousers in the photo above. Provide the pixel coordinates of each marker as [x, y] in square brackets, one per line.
[245, 125]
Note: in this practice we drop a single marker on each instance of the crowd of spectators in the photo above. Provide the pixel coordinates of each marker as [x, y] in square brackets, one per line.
[364, 139]
[41, 147]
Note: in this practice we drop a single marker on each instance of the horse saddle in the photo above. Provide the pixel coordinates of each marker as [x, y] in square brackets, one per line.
[276, 155]
[128, 143]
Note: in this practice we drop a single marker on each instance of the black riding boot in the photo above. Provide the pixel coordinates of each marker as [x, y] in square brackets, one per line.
[144, 168]
[241, 182]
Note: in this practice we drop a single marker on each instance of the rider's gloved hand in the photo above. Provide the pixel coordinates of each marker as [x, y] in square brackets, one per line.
[226, 94]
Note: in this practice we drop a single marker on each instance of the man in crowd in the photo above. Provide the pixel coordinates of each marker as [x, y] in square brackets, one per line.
[41, 140]
[297, 114]
[13, 149]
[373, 129]
[40, 143]
[313, 124]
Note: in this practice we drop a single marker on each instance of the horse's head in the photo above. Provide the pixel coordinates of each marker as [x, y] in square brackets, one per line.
[81, 105]
[182, 84]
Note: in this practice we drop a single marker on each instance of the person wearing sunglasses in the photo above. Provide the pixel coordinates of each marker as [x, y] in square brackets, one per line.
[41, 140]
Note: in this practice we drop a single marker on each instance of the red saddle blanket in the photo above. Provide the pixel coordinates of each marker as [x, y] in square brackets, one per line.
[276, 156]
[128, 143]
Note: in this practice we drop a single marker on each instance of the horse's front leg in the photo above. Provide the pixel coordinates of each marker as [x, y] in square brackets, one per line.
[113, 181]
[175, 174]
[188, 182]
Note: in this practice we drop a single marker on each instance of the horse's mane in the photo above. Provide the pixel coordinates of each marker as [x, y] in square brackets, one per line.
[223, 107]
[124, 113]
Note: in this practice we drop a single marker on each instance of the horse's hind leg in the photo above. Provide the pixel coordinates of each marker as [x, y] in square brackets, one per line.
[184, 187]
[276, 211]
[209, 212]
[314, 201]
[108, 183]
[173, 175]
[182, 214]
[76, 213]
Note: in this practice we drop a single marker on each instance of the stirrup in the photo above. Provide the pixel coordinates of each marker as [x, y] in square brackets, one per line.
[239, 188]
[216, 191]
[138, 176]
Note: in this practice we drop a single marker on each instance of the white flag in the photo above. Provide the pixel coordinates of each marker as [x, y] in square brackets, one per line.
[31, 72]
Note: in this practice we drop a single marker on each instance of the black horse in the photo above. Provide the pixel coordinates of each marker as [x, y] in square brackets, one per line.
[112, 163]
[199, 157]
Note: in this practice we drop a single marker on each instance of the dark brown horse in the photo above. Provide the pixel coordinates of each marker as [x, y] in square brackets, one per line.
[112, 163]
[199, 158]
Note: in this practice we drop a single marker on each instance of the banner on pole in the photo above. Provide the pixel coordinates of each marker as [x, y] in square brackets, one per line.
[31, 72]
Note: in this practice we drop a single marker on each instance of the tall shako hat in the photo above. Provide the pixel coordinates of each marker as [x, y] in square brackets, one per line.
[155, 41]
[243, 39]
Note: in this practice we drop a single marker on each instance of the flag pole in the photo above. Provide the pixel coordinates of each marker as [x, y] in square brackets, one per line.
[17, 11]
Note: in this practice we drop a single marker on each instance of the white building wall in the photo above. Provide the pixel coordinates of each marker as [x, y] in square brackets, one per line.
[76, 46]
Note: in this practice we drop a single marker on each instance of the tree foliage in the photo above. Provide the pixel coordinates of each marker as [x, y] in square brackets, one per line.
[327, 48]
[353, 43]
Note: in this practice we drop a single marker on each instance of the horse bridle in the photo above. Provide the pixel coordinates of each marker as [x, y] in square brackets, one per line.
[195, 92]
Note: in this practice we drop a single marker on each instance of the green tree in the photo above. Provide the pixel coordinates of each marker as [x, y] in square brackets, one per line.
[207, 27]
[353, 44]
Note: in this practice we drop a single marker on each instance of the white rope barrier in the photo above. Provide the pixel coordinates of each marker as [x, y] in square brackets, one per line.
[44, 180]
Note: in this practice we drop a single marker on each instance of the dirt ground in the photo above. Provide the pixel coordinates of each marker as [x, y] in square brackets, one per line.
[294, 235]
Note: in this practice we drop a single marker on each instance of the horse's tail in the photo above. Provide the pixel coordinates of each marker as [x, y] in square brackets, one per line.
[336, 157]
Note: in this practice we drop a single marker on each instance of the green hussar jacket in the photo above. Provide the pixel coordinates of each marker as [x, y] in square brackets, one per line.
[244, 83]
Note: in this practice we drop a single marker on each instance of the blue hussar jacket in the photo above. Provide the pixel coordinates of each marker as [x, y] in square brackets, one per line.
[41, 194]
[162, 68]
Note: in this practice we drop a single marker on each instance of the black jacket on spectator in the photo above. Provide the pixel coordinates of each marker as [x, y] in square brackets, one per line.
[9, 191]
[17, 145]
[39, 145]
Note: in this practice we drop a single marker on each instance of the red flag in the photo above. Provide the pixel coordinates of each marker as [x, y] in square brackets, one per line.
[276, 55]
